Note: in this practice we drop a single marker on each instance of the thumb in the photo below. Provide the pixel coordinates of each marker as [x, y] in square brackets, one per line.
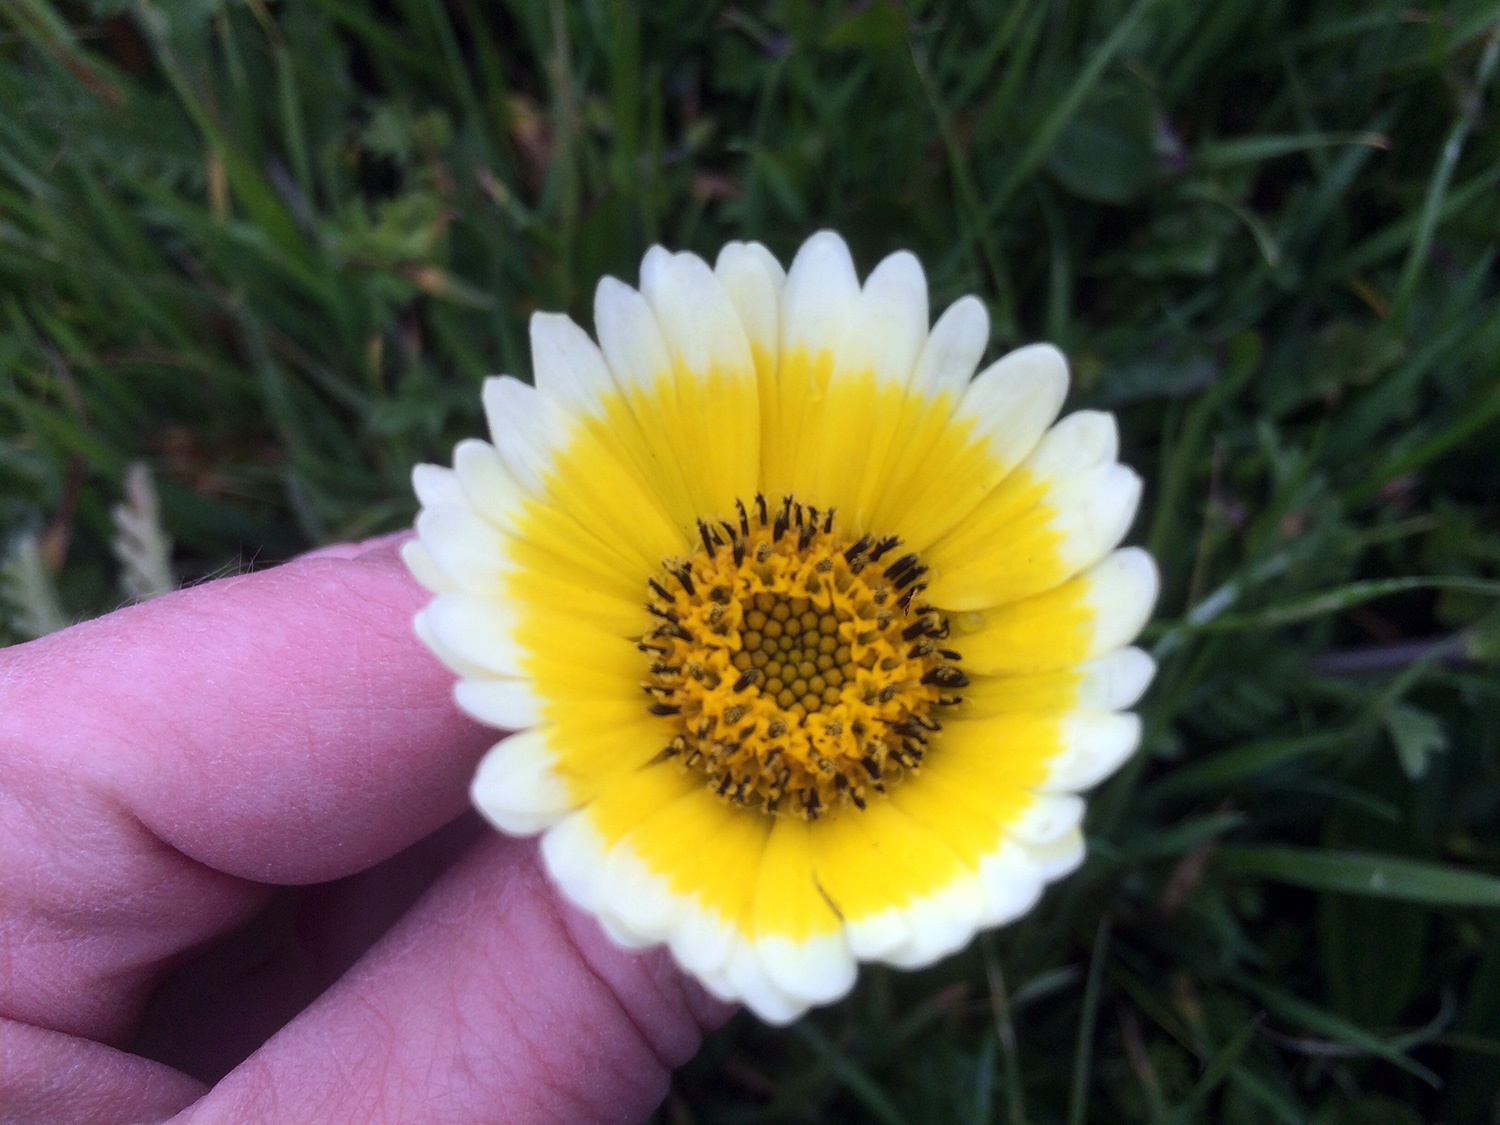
[492, 1000]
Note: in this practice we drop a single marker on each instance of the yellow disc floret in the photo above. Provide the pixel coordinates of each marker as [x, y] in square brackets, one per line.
[796, 669]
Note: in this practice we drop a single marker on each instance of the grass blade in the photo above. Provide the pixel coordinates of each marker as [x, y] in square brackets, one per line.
[1363, 873]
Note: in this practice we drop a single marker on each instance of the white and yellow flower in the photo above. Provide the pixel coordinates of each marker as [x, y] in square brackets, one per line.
[810, 637]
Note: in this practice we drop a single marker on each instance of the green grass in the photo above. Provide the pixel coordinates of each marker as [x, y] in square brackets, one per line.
[272, 249]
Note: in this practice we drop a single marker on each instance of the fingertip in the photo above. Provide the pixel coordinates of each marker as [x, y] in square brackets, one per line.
[492, 992]
[380, 546]
[654, 993]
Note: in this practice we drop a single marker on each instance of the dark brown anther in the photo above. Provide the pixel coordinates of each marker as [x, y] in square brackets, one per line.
[883, 546]
[719, 595]
[664, 614]
[828, 523]
[911, 728]
[900, 566]
[747, 677]
[704, 534]
[949, 654]
[739, 551]
[783, 520]
[806, 536]
[946, 676]
[917, 628]
[872, 767]
[685, 576]
[760, 507]
[856, 547]
[658, 589]
[664, 709]
[744, 516]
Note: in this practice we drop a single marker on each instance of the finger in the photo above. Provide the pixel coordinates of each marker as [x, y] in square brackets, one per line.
[491, 1001]
[52, 1077]
[284, 726]
[355, 550]
[267, 971]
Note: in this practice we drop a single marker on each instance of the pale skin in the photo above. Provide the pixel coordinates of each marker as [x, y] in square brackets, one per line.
[166, 768]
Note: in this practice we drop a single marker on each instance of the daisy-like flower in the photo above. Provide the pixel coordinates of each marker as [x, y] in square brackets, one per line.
[810, 637]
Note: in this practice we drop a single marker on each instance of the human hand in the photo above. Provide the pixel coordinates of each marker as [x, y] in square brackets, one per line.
[165, 768]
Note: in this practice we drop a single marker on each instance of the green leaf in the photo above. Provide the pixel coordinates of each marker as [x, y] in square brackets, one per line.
[1248, 762]
[1253, 150]
[1345, 597]
[1322, 1022]
[1107, 152]
[1363, 873]
[855, 1078]
[1416, 734]
[1053, 124]
[871, 27]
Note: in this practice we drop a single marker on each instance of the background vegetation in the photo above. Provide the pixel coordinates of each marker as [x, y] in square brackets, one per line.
[270, 249]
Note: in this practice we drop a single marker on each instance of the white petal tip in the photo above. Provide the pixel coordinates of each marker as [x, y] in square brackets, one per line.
[506, 704]
[574, 856]
[1094, 746]
[1118, 680]
[1047, 819]
[816, 969]
[942, 923]
[1123, 591]
[516, 787]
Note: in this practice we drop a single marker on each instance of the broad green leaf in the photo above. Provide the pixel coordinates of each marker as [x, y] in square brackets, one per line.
[1107, 151]
[1416, 734]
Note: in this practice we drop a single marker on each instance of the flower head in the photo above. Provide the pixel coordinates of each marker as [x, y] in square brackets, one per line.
[810, 637]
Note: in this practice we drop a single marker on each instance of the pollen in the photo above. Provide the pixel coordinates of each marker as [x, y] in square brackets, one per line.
[798, 671]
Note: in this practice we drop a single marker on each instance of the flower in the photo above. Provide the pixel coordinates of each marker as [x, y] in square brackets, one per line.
[809, 636]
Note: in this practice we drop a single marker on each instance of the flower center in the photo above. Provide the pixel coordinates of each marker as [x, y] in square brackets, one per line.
[799, 672]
